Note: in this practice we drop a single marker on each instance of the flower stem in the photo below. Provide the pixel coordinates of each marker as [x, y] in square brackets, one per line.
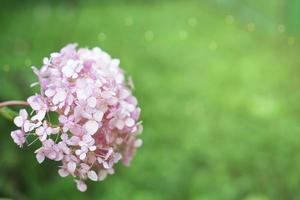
[13, 103]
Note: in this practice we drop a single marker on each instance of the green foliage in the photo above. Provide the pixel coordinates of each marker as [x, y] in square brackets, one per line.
[7, 113]
[219, 96]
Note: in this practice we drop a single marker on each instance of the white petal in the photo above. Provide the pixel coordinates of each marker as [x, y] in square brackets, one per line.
[81, 94]
[71, 167]
[81, 83]
[82, 156]
[100, 160]
[63, 172]
[49, 92]
[98, 115]
[129, 122]
[92, 148]
[62, 119]
[138, 143]
[33, 103]
[18, 121]
[114, 63]
[59, 96]
[23, 113]
[67, 71]
[28, 126]
[91, 127]
[124, 94]
[92, 101]
[40, 157]
[106, 165]
[43, 137]
[39, 116]
[92, 175]
[102, 175]
[120, 124]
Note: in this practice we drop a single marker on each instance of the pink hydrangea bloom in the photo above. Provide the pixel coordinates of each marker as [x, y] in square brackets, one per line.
[98, 120]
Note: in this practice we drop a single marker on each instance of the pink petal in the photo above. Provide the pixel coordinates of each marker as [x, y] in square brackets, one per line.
[18, 136]
[28, 126]
[81, 186]
[63, 172]
[33, 102]
[71, 166]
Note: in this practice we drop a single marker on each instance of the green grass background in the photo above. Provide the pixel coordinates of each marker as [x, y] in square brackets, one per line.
[217, 81]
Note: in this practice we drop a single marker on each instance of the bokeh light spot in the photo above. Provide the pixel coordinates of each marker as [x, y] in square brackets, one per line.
[213, 46]
[229, 19]
[192, 22]
[101, 37]
[128, 21]
[27, 62]
[291, 41]
[251, 27]
[281, 28]
[183, 35]
[6, 67]
[149, 35]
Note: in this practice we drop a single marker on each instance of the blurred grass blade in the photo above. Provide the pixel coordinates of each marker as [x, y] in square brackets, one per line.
[8, 113]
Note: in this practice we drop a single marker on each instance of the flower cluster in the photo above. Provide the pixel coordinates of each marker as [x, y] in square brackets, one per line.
[97, 114]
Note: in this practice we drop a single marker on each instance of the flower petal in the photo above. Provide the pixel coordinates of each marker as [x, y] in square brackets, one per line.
[18, 121]
[71, 166]
[40, 157]
[91, 127]
[63, 172]
[81, 186]
[92, 175]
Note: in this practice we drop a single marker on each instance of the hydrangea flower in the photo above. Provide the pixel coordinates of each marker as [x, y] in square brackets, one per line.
[98, 117]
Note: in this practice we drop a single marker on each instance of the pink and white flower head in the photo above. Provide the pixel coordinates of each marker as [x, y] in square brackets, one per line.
[98, 121]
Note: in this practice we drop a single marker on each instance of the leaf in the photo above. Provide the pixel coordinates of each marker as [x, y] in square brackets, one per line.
[8, 113]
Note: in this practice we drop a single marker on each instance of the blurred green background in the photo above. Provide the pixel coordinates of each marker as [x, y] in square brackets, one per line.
[218, 82]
